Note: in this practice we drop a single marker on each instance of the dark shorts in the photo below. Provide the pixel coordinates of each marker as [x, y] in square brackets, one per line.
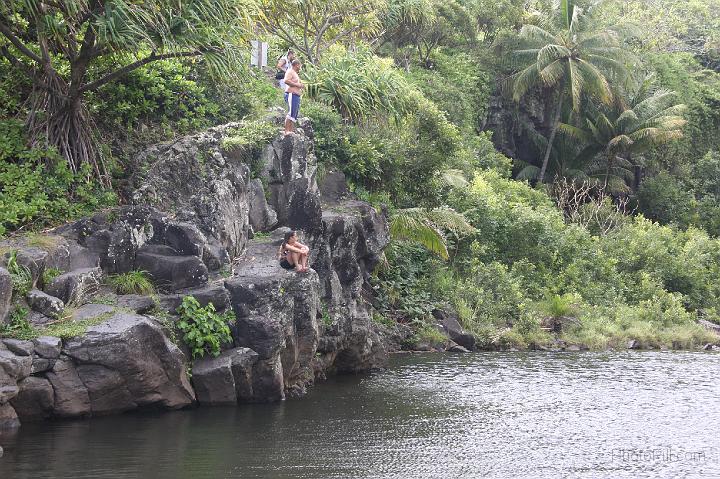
[285, 264]
[293, 103]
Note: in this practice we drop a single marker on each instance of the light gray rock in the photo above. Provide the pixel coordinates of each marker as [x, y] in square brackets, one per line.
[137, 303]
[92, 311]
[47, 347]
[8, 417]
[261, 216]
[19, 347]
[75, 286]
[45, 304]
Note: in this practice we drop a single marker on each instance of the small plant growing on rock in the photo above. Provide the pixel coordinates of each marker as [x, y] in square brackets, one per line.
[204, 330]
[49, 274]
[20, 275]
[133, 282]
[18, 327]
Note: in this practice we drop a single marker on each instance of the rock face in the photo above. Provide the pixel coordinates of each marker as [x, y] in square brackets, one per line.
[45, 304]
[195, 209]
[127, 362]
[5, 295]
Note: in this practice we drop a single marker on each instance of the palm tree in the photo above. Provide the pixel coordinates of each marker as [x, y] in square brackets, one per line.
[570, 63]
[427, 226]
[619, 136]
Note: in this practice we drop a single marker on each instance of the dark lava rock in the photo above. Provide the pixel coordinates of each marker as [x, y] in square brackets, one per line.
[47, 347]
[19, 347]
[5, 295]
[44, 303]
[173, 272]
[75, 285]
[226, 379]
[35, 399]
[127, 362]
[212, 293]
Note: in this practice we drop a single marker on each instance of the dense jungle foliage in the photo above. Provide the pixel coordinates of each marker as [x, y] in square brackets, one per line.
[542, 161]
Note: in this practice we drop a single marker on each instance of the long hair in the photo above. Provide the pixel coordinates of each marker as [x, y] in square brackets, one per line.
[288, 235]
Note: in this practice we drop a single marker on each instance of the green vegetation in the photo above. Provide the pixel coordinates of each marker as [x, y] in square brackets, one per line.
[64, 327]
[204, 330]
[132, 282]
[20, 275]
[49, 274]
[537, 159]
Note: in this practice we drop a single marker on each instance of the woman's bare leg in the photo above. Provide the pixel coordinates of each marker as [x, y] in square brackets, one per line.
[304, 261]
[296, 261]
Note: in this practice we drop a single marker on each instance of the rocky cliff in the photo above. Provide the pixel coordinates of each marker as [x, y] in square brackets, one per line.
[195, 226]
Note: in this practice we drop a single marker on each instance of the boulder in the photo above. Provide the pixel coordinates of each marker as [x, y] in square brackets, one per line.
[32, 258]
[136, 303]
[127, 362]
[260, 215]
[38, 319]
[448, 320]
[71, 395]
[173, 272]
[715, 328]
[6, 289]
[47, 347]
[40, 365]
[75, 286]
[226, 379]
[117, 242]
[35, 399]
[185, 238]
[212, 293]
[92, 311]
[19, 347]
[8, 417]
[68, 255]
[333, 187]
[45, 304]
[213, 381]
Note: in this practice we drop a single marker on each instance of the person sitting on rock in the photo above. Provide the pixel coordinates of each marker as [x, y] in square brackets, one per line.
[293, 254]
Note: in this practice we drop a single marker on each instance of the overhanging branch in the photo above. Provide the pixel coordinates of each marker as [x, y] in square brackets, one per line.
[132, 66]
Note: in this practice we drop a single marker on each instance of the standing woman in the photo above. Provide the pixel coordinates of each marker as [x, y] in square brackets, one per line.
[284, 62]
[293, 254]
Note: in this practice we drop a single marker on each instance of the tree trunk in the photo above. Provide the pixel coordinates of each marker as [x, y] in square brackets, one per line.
[548, 150]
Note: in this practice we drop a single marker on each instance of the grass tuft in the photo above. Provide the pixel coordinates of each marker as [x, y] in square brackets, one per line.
[134, 282]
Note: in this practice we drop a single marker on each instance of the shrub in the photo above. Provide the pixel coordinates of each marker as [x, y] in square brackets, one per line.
[664, 199]
[133, 282]
[18, 327]
[20, 275]
[49, 274]
[36, 187]
[204, 330]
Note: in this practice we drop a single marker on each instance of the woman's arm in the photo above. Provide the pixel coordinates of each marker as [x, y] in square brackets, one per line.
[293, 248]
[303, 248]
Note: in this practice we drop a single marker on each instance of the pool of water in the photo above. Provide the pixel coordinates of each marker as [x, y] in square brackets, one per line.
[634, 414]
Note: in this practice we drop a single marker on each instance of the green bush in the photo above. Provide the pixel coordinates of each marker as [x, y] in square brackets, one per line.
[36, 187]
[664, 199]
[20, 275]
[204, 330]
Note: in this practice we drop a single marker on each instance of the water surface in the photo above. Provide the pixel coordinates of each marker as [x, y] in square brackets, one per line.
[635, 414]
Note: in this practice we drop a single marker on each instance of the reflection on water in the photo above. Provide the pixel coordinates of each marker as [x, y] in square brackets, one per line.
[497, 414]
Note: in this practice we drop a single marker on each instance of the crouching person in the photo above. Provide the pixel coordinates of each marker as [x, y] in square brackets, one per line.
[293, 254]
